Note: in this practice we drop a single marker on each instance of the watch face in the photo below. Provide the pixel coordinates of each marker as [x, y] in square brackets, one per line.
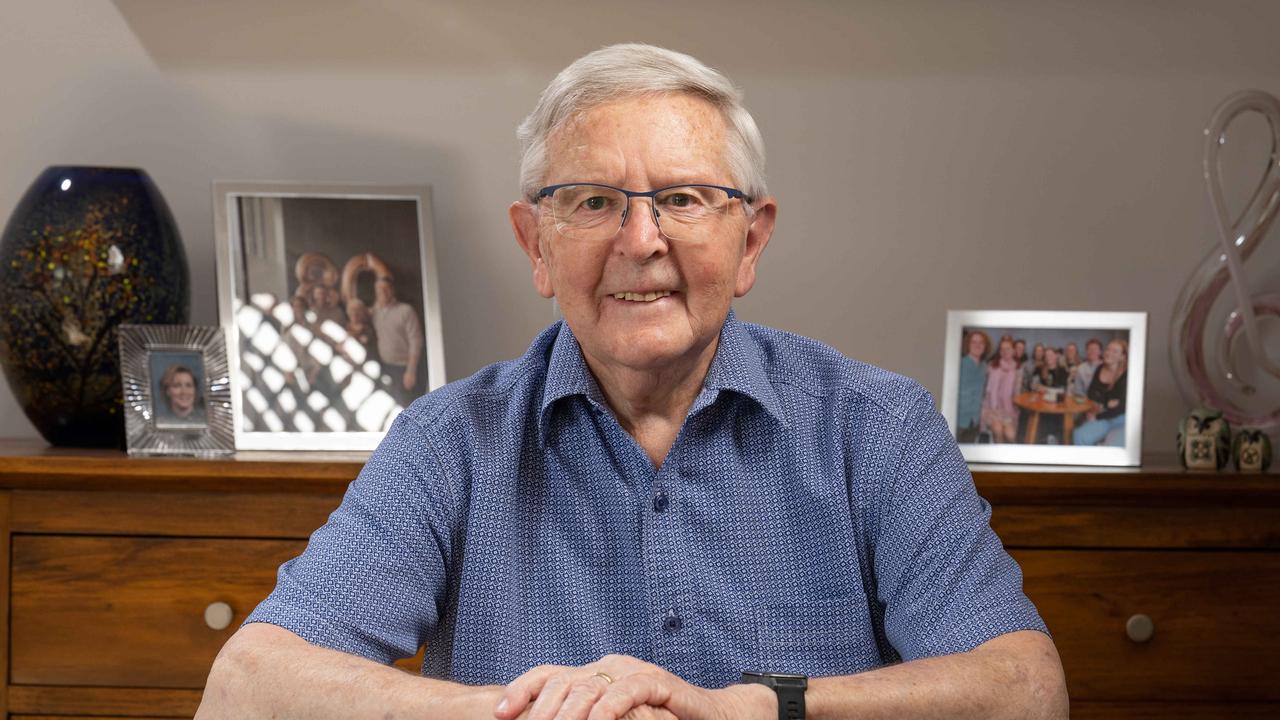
[782, 680]
[795, 681]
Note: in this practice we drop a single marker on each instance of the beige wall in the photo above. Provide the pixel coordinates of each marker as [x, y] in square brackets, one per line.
[926, 154]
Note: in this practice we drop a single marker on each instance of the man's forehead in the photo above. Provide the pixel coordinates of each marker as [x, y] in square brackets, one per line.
[680, 132]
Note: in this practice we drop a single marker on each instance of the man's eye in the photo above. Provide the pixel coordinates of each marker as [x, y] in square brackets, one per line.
[681, 200]
[595, 203]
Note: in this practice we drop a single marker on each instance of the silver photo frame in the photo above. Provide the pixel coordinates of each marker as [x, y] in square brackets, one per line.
[1051, 412]
[177, 394]
[329, 298]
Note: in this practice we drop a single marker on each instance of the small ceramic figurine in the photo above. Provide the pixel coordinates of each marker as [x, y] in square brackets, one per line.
[1204, 440]
[1251, 450]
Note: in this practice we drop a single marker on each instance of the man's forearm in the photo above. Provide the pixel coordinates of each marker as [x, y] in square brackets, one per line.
[265, 671]
[1015, 676]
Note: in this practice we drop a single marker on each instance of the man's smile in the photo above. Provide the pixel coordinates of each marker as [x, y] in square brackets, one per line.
[642, 296]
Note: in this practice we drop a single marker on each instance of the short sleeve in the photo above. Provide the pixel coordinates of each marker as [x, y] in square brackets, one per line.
[943, 577]
[372, 580]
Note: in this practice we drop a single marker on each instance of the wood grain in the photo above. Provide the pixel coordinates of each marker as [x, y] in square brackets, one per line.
[1213, 611]
[205, 514]
[130, 611]
[1173, 711]
[24, 465]
[1076, 526]
[81, 717]
[125, 702]
[4, 601]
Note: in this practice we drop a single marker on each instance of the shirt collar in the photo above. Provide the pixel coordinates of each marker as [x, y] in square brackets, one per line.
[738, 366]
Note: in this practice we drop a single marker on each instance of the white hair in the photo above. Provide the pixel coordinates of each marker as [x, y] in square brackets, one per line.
[632, 69]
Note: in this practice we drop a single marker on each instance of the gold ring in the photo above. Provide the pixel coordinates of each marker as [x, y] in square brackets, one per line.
[606, 677]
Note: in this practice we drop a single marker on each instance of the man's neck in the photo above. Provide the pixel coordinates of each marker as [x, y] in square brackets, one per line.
[651, 405]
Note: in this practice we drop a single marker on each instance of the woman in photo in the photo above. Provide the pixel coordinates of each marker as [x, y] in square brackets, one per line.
[1107, 391]
[181, 394]
[973, 383]
[999, 414]
[1051, 374]
[1072, 358]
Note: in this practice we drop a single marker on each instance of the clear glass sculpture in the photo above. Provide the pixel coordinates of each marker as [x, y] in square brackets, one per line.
[1225, 336]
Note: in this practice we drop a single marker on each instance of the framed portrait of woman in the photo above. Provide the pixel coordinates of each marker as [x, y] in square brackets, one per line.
[1046, 387]
[176, 390]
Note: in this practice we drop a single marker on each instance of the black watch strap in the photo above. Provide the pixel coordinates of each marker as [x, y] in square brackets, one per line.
[789, 689]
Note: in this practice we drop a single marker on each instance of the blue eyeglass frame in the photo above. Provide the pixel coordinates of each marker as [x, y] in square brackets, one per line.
[733, 193]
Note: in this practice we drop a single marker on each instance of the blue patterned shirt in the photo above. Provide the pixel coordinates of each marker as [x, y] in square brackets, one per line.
[814, 516]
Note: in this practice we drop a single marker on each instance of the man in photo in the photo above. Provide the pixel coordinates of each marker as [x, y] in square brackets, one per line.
[398, 331]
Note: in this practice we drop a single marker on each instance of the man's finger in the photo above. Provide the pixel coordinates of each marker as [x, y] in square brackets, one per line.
[631, 692]
[515, 698]
[584, 690]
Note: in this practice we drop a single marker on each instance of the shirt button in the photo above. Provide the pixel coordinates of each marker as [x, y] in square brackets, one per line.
[671, 622]
[660, 502]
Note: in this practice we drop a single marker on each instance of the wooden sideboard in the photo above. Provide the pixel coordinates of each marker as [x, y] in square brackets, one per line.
[115, 570]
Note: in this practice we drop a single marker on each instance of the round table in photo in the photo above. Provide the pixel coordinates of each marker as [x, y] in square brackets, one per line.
[1068, 407]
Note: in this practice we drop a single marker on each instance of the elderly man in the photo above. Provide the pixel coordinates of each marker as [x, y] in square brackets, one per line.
[659, 510]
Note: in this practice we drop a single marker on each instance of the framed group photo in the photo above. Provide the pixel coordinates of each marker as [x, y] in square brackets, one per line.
[1046, 387]
[329, 299]
[177, 395]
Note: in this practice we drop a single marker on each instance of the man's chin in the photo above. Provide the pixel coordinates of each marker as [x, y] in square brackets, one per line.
[656, 351]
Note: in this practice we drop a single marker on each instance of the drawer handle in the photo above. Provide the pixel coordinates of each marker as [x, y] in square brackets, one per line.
[1140, 628]
[218, 615]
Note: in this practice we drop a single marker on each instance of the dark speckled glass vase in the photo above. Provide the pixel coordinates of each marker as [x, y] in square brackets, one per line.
[85, 250]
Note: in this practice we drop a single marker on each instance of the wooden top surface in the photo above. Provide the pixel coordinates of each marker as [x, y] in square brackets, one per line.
[1034, 401]
[33, 465]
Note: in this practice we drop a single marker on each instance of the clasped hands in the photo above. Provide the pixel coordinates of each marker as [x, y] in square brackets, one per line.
[619, 687]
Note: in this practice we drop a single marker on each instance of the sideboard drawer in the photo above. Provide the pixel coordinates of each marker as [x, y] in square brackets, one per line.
[130, 611]
[1210, 611]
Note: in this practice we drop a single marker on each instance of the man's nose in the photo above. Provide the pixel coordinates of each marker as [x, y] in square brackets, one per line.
[640, 233]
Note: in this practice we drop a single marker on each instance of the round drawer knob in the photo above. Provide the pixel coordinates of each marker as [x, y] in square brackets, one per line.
[1140, 628]
[218, 615]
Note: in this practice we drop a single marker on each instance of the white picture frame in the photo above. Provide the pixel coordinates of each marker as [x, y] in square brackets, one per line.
[300, 273]
[1064, 410]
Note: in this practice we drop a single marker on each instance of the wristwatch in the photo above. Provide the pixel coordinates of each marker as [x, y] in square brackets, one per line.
[789, 688]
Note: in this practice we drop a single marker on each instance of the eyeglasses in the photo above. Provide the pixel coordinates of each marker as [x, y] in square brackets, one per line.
[592, 212]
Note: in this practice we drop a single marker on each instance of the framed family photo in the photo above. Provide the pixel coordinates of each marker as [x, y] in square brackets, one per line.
[177, 395]
[329, 299]
[1060, 388]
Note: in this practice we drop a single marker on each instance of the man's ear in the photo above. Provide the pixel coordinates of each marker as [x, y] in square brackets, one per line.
[758, 234]
[525, 224]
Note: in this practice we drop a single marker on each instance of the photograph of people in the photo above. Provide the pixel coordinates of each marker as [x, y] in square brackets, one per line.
[1107, 388]
[177, 398]
[1004, 380]
[973, 383]
[657, 495]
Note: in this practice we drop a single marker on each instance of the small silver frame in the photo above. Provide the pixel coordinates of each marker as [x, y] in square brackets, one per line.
[1133, 322]
[146, 431]
[231, 267]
